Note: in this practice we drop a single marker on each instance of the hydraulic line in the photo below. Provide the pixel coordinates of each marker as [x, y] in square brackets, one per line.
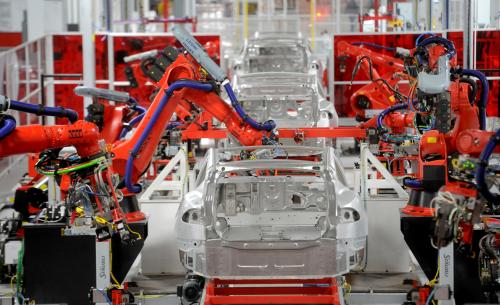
[59, 112]
[207, 87]
[417, 41]
[7, 125]
[267, 125]
[439, 40]
[483, 101]
[382, 115]
[134, 121]
[473, 85]
[481, 169]
[413, 183]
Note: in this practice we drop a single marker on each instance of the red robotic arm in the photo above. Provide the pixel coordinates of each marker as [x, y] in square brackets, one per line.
[85, 135]
[375, 95]
[35, 138]
[391, 63]
[183, 68]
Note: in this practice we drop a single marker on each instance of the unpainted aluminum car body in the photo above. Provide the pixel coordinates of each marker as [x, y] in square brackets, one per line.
[288, 90]
[274, 52]
[284, 212]
[274, 211]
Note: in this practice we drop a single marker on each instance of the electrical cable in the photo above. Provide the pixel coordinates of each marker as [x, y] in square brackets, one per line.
[19, 274]
[105, 295]
[370, 72]
[113, 278]
[133, 232]
[67, 170]
[431, 295]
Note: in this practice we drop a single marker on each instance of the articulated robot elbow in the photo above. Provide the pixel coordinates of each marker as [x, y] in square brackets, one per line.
[84, 136]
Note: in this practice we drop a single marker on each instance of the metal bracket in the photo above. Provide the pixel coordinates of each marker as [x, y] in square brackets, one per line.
[178, 184]
[369, 182]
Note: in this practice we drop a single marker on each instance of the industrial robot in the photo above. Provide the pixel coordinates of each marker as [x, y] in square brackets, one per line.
[98, 180]
[452, 202]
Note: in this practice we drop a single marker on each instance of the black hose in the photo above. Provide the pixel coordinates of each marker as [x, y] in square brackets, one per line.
[474, 87]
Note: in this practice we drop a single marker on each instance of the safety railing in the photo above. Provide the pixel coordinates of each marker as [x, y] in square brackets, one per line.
[20, 70]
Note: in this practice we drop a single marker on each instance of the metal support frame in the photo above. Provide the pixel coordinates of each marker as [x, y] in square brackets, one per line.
[369, 182]
[88, 48]
[111, 61]
[177, 184]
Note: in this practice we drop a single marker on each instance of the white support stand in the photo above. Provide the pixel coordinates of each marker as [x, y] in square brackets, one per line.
[158, 255]
[54, 192]
[369, 183]
[391, 255]
[177, 186]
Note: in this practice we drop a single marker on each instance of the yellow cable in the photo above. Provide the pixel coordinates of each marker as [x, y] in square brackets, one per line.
[12, 283]
[132, 231]
[116, 284]
[435, 279]
[101, 220]
[348, 287]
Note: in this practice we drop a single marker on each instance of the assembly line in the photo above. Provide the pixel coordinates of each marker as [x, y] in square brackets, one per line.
[277, 197]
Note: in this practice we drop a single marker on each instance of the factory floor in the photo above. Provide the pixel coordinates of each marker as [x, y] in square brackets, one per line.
[366, 288]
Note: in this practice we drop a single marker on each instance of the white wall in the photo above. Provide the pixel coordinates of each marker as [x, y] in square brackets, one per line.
[11, 15]
[45, 16]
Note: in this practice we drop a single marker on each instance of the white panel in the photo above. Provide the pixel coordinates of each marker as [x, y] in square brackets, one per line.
[36, 19]
[54, 9]
[102, 262]
[11, 15]
[12, 249]
[387, 250]
[160, 254]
